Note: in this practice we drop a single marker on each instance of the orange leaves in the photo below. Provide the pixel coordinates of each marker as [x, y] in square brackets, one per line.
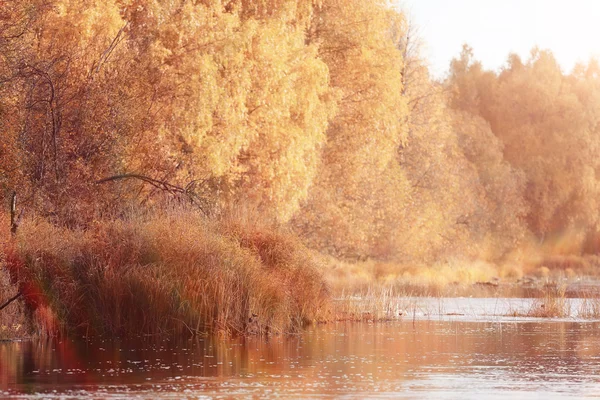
[245, 99]
[360, 186]
[315, 112]
[289, 110]
[543, 119]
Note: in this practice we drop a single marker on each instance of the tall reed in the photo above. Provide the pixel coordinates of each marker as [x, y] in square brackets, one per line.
[169, 272]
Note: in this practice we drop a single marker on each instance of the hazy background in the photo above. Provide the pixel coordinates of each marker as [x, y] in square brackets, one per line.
[571, 29]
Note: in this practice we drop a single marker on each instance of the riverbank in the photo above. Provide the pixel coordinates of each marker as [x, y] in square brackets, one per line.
[175, 273]
[579, 275]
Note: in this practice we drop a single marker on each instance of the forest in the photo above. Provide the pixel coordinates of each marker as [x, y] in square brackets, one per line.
[171, 155]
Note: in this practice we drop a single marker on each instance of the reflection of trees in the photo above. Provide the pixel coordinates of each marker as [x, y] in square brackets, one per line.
[333, 358]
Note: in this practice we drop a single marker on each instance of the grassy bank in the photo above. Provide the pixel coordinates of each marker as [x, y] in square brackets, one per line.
[173, 272]
[463, 278]
[165, 273]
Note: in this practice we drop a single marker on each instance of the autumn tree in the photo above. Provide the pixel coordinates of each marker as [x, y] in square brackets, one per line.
[61, 118]
[545, 128]
[237, 95]
[585, 81]
[16, 38]
[360, 189]
[226, 93]
[443, 213]
[465, 200]
[503, 206]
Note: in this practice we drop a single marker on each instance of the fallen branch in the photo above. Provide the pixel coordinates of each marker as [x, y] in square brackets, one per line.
[3, 306]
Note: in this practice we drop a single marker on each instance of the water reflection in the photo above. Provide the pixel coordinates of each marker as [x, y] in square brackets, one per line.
[408, 359]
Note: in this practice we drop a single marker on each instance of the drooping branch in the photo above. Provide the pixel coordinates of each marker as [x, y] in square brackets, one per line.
[154, 182]
[164, 186]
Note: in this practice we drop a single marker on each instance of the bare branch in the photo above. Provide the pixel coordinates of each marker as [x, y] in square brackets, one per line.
[15, 297]
[165, 186]
[154, 182]
[14, 219]
[106, 54]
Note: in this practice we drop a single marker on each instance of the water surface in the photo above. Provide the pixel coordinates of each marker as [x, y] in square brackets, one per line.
[442, 356]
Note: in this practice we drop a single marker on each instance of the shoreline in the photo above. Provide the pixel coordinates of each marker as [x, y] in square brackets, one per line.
[383, 306]
[173, 273]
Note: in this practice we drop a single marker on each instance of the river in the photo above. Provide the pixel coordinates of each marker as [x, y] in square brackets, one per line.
[448, 355]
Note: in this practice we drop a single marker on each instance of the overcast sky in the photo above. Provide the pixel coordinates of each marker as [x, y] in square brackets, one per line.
[571, 29]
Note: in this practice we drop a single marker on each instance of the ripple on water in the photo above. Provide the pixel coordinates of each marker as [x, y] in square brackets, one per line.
[462, 356]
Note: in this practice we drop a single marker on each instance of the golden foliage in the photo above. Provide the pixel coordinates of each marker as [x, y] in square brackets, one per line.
[320, 114]
[360, 187]
[545, 122]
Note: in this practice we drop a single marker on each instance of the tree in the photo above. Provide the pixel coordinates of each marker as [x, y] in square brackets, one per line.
[358, 195]
[239, 96]
[443, 215]
[543, 123]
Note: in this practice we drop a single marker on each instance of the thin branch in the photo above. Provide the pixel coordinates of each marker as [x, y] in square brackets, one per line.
[154, 182]
[419, 182]
[14, 219]
[165, 186]
[115, 42]
[15, 297]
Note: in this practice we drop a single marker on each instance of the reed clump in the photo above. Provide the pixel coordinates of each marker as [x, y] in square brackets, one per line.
[552, 303]
[14, 323]
[166, 272]
[589, 308]
[376, 304]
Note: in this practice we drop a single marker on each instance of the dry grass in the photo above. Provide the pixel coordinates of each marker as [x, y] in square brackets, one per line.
[168, 273]
[14, 323]
[456, 278]
[173, 272]
[376, 304]
[551, 304]
[445, 279]
[589, 307]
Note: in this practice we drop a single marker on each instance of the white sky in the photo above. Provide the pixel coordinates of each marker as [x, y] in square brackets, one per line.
[570, 28]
